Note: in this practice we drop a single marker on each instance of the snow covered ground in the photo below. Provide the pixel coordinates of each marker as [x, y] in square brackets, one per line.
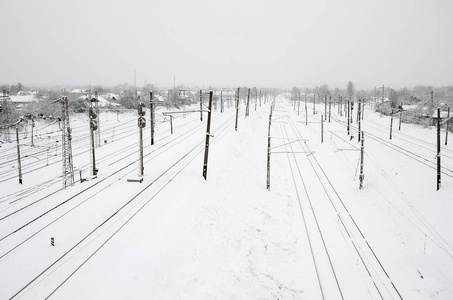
[314, 235]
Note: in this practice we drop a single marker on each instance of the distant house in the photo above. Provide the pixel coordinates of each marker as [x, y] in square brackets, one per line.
[102, 102]
[443, 116]
[79, 92]
[111, 97]
[22, 101]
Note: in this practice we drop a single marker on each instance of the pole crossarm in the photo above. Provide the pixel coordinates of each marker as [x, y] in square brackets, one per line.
[286, 144]
[446, 120]
[168, 113]
[285, 152]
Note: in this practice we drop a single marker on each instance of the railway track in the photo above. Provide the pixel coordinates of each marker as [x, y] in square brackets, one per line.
[118, 217]
[320, 204]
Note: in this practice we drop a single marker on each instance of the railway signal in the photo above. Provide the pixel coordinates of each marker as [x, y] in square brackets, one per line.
[93, 127]
[141, 125]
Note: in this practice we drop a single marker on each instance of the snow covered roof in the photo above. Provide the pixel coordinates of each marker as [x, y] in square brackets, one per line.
[443, 114]
[111, 96]
[78, 91]
[410, 107]
[102, 101]
[23, 99]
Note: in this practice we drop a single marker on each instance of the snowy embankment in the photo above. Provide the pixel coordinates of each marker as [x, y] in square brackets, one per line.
[314, 235]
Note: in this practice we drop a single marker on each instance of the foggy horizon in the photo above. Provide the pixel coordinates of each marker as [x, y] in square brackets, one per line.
[227, 44]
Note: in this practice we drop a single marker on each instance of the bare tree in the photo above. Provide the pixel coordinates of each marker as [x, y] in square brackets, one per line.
[393, 95]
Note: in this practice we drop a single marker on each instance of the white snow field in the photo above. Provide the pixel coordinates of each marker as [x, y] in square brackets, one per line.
[313, 235]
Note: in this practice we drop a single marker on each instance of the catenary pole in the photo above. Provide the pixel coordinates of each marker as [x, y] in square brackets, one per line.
[18, 155]
[151, 113]
[237, 111]
[446, 126]
[208, 135]
[438, 149]
[362, 149]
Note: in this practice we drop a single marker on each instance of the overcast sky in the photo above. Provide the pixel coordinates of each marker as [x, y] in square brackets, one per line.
[227, 43]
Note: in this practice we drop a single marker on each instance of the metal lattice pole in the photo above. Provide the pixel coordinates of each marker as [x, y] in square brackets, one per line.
[68, 169]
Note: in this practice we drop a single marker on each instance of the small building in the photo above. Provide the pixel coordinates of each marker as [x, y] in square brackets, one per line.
[22, 101]
[79, 92]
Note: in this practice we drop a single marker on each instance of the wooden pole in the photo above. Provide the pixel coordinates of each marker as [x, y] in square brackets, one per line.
[208, 135]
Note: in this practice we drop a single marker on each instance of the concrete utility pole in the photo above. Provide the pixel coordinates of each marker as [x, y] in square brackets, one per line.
[201, 105]
[325, 107]
[247, 107]
[268, 183]
[32, 126]
[362, 149]
[151, 112]
[446, 126]
[306, 111]
[237, 111]
[221, 101]
[391, 124]
[208, 135]
[438, 149]
[330, 107]
[322, 129]
[18, 155]
[348, 116]
[260, 98]
[298, 104]
[256, 99]
[359, 109]
[314, 104]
